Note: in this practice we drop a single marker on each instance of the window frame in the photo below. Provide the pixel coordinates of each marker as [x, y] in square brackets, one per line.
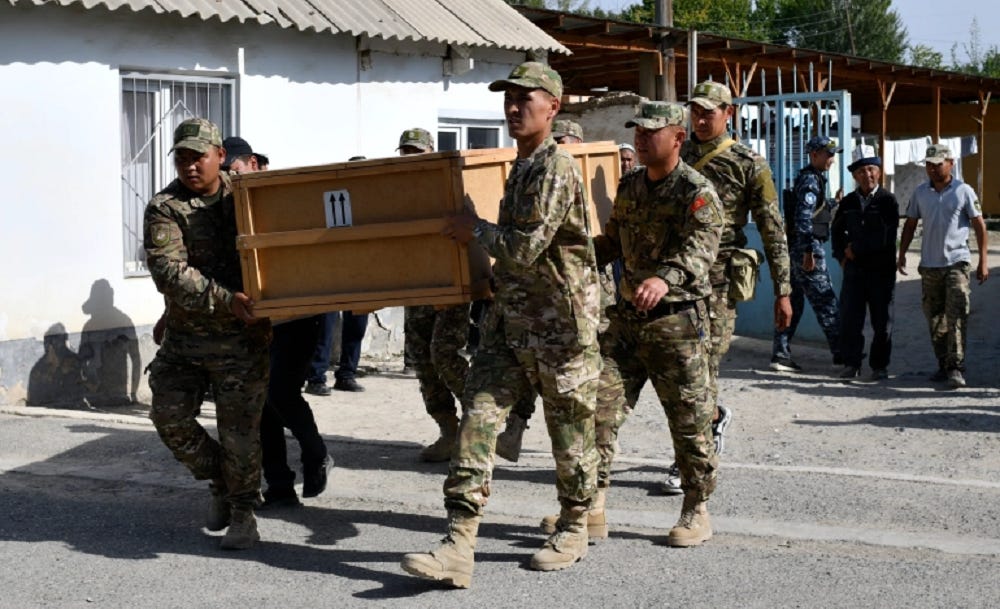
[149, 125]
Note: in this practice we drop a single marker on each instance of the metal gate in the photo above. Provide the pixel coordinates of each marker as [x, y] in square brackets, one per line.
[778, 127]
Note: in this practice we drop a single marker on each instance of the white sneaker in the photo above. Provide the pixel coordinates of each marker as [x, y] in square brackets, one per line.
[672, 485]
[719, 428]
[784, 364]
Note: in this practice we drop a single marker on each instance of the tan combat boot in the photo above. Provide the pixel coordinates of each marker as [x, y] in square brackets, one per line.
[693, 527]
[597, 523]
[242, 533]
[440, 450]
[453, 560]
[510, 439]
[567, 545]
[219, 508]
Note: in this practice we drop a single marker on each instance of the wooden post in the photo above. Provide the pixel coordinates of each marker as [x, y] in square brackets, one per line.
[984, 105]
[937, 115]
[886, 100]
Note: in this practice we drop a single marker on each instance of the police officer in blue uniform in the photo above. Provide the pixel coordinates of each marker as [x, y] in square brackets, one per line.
[807, 218]
[863, 236]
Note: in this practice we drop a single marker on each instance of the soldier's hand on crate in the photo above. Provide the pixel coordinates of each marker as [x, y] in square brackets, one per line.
[460, 226]
[242, 308]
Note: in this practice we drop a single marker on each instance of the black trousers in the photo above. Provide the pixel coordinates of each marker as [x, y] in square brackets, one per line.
[872, 290]
[352, 332]
[291, 352]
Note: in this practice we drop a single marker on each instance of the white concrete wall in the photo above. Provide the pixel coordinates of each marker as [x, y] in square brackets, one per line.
[302, 98]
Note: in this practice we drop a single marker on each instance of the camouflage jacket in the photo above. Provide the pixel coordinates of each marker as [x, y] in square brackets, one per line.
[810, 192]
[191, 253]
[668, 229]
[545, 268]
[743, 181]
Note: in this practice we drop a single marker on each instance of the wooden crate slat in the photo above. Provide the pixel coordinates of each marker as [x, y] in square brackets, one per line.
[391, 253]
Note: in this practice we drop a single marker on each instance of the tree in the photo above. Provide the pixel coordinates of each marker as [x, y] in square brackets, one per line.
[868, 28]
[734, 18]
[925, 57]
[865, 28]
[978, 61]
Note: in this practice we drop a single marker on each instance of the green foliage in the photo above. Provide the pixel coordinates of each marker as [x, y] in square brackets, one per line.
[876, 30]
[925, 57]
[865, 28]
[978, 61]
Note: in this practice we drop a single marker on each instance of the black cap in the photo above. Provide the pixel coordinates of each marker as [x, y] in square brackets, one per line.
[235, 148]
[864, 162]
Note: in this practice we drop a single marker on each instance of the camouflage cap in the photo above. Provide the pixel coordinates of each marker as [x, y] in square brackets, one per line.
[821, 142]
[564, 127]
[938, 153]
[418, 138]
[197, 134]
[710, 95]
[531, 75]
[659, 114]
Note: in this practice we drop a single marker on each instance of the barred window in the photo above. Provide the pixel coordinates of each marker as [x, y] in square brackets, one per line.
[152, 106]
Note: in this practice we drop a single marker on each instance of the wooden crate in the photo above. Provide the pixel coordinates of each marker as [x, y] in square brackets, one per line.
[366, 234]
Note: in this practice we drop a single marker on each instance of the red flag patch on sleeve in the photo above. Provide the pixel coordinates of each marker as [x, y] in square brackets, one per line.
[698, 204]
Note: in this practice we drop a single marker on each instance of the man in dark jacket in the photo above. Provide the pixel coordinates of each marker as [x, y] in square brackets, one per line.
[864, 242]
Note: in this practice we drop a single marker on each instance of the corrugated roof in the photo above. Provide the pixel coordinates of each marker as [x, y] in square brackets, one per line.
[474, 23]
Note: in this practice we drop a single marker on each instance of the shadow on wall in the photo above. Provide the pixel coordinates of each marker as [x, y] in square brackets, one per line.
[104, 373]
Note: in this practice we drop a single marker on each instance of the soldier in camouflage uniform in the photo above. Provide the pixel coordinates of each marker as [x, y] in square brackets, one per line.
[434, 337]
[810, 277]
[743, 181]
[665, 225]
[565, 131]
[948, 208]
[509, 441]
[540, 335]
[212, 337]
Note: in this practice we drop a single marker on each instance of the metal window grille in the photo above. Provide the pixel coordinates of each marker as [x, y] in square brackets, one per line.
[152, 105]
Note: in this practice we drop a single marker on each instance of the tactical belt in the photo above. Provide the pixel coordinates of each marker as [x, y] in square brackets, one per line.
[661, 310]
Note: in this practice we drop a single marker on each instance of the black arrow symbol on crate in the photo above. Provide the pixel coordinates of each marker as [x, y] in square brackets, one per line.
[334, 201]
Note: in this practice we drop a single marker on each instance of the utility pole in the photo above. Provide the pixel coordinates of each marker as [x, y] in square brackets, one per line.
[850, 28]
[666, 88]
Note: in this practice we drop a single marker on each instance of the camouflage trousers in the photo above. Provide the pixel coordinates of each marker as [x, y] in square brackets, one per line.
[722, 324]
[946, 303]
[672, 353]
[817, 287]
[236, 368]
[502, 374]
[433, 340]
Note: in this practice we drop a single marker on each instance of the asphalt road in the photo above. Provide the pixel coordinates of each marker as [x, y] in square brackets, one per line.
[877, 495]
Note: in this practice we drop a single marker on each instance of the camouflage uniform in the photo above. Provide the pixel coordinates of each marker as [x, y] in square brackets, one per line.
[563, 127]
[810, 190]
[540, 333]
[745, 185]
[433, 339]
[668, 229]
[190, 243]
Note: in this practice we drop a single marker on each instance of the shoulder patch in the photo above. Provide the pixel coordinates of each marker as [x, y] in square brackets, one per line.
[160, 236]
[810, 198]
[698, 204]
